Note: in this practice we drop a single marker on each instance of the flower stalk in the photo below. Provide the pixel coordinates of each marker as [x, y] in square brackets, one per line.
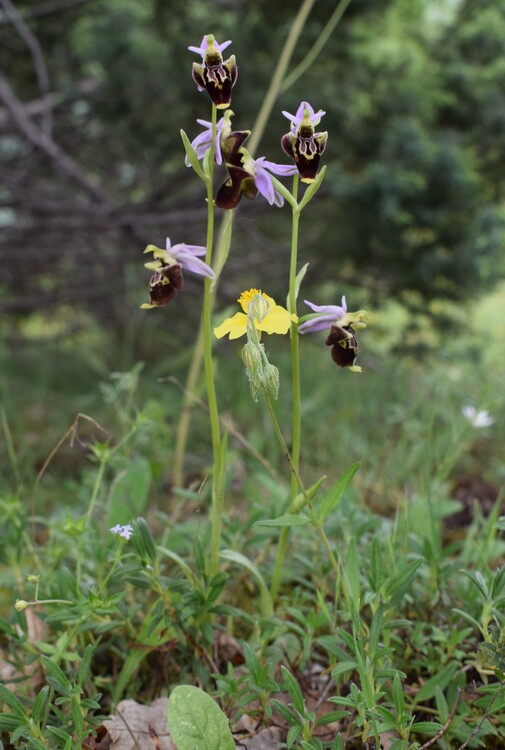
[315, 520]
[208, 301]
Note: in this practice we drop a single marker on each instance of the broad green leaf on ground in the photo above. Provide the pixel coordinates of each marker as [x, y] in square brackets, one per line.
[195, 720]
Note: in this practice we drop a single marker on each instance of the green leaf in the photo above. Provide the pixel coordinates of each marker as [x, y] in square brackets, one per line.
[293, 689]
[192, 157]
[130, 492]
[223, 246]
[375, 631]
[343, 667]
[333, 497]
[427, 727]
[441, 703]
[196, 721]
[78, 724]
[35, 744]
[266, 603]
[467, 617]
[303, 498]
[479, 582]
[288, 519]
[13, 702]
[441, 679]
[181, 563]
[286, 713]
[85, 667]
[56, 677]
[284, 192]
[39, 705]
[397, 586]
[9, 722]
[298, 282]
[350, 573]
[312, 189]
[398, 695]
[143, 540]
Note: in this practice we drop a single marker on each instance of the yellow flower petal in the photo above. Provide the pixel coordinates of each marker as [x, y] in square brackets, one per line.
[235, 326]
[249, 295]
[278, 320]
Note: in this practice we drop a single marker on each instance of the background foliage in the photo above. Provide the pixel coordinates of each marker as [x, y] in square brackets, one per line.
[92, 167]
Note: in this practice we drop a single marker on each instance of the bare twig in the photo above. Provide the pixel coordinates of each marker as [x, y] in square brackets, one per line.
[446, 726]
[70, 433]
[484, 716]
[63, 163]
[33, 45]
[43, 9]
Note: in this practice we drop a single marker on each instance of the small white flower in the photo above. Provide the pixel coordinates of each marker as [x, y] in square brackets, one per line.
[477, 419]
[123, 531]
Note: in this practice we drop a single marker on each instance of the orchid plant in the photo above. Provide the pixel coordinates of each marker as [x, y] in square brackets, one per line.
[219, 144]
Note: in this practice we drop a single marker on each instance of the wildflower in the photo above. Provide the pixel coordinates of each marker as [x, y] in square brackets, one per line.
[477, 419]
[215, 75]
[302, 143]
[203, 141]
[123, 531]
[341, 336]
[327, 314]
[167, 266]
[276, 320]
[250, 176]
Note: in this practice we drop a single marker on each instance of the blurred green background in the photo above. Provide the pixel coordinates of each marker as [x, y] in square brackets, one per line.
[410, 221]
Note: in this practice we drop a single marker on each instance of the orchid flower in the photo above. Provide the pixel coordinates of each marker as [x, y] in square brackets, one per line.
[302, 143]
[168, 265]
[341, 336]
[251, 176]
[326, 315]
[215, 75]
[203, 141]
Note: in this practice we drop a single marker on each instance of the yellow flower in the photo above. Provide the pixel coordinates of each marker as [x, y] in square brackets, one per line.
[276, 320]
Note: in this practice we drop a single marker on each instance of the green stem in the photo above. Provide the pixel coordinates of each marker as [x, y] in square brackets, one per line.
[295, 357]
[98, 482]
[318, 45]
[208, 300]
[295, 374]
[276, 577]
[276, 82]
[187, 403]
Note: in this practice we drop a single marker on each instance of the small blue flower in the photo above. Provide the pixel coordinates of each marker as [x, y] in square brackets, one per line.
[123, 531]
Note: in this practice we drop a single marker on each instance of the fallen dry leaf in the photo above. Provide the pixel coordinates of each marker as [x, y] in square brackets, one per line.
[131, 728]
